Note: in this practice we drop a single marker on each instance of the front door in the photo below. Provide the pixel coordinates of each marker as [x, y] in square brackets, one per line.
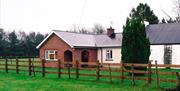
[84, 58]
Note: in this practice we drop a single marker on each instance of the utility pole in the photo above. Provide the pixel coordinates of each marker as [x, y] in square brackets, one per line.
[0, 13]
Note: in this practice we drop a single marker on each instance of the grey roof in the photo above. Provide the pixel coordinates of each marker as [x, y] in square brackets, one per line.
[159, 34]
[164, 33]
[90, 40]
[105, 41]
[77, 39]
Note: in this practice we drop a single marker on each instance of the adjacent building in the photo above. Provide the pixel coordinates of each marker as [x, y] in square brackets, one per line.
[165, 42]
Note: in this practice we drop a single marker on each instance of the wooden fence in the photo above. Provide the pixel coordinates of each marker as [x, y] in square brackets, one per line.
[94, 66]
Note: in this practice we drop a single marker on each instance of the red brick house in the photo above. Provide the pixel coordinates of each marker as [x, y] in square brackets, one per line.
[68, 46]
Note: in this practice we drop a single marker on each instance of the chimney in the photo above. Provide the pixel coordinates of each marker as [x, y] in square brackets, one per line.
[110, 32]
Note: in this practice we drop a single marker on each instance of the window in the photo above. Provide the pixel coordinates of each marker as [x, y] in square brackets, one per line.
[109, 55]
[51, 55]
[167, 54]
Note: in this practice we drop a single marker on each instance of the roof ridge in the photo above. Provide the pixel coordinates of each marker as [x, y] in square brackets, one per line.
[73, 32]
[82, 33]
[164, 24]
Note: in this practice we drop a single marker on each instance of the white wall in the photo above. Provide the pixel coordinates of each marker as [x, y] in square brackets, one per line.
[176, 54]
[116, 55]
[157, 53]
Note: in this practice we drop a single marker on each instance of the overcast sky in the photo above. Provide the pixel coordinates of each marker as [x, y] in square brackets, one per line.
[46, 15]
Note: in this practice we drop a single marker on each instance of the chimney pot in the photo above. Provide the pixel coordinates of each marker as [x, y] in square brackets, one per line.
[110, 32]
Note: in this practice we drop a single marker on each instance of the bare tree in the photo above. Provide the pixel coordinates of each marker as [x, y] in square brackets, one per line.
[177, 10]
[163, 21]
[98, 29]
[74, 28]
[21, 35]
[83, 30]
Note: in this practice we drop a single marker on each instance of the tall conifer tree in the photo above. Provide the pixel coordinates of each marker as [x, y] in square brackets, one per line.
[135, 44]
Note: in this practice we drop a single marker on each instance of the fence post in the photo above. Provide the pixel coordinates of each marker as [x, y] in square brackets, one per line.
[6, 65]
[59, 68]
[17, 66]
[149, 72]
[69, 72]
[157, 74]
[32, 67]
[121, 71]
[110, 75]
[77, 69]
[29, 66]
[43, 67]
[178, 84]
[132, 74]
[97, 70]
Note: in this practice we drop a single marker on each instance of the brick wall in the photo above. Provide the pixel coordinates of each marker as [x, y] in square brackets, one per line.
[55, 43]
[92, 53]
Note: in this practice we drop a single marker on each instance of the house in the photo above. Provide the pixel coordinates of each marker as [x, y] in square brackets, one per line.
[68, 46]
[163, 36]
[106, 48]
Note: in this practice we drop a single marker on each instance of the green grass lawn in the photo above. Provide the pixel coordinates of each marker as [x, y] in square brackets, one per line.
[22, 82]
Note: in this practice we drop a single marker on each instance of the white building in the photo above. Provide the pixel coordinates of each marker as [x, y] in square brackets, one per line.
[161, 36]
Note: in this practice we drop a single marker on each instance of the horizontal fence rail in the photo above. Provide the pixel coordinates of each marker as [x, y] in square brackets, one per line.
[73, 68]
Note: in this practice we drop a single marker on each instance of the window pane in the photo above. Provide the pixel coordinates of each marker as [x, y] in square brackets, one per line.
[46, 54]
[51, 51]
[111, 54]
[51, 56]
[108, 54]
[56, 54]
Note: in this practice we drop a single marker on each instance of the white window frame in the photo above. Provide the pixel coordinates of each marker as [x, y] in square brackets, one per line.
[47, 55]
[109, 55]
